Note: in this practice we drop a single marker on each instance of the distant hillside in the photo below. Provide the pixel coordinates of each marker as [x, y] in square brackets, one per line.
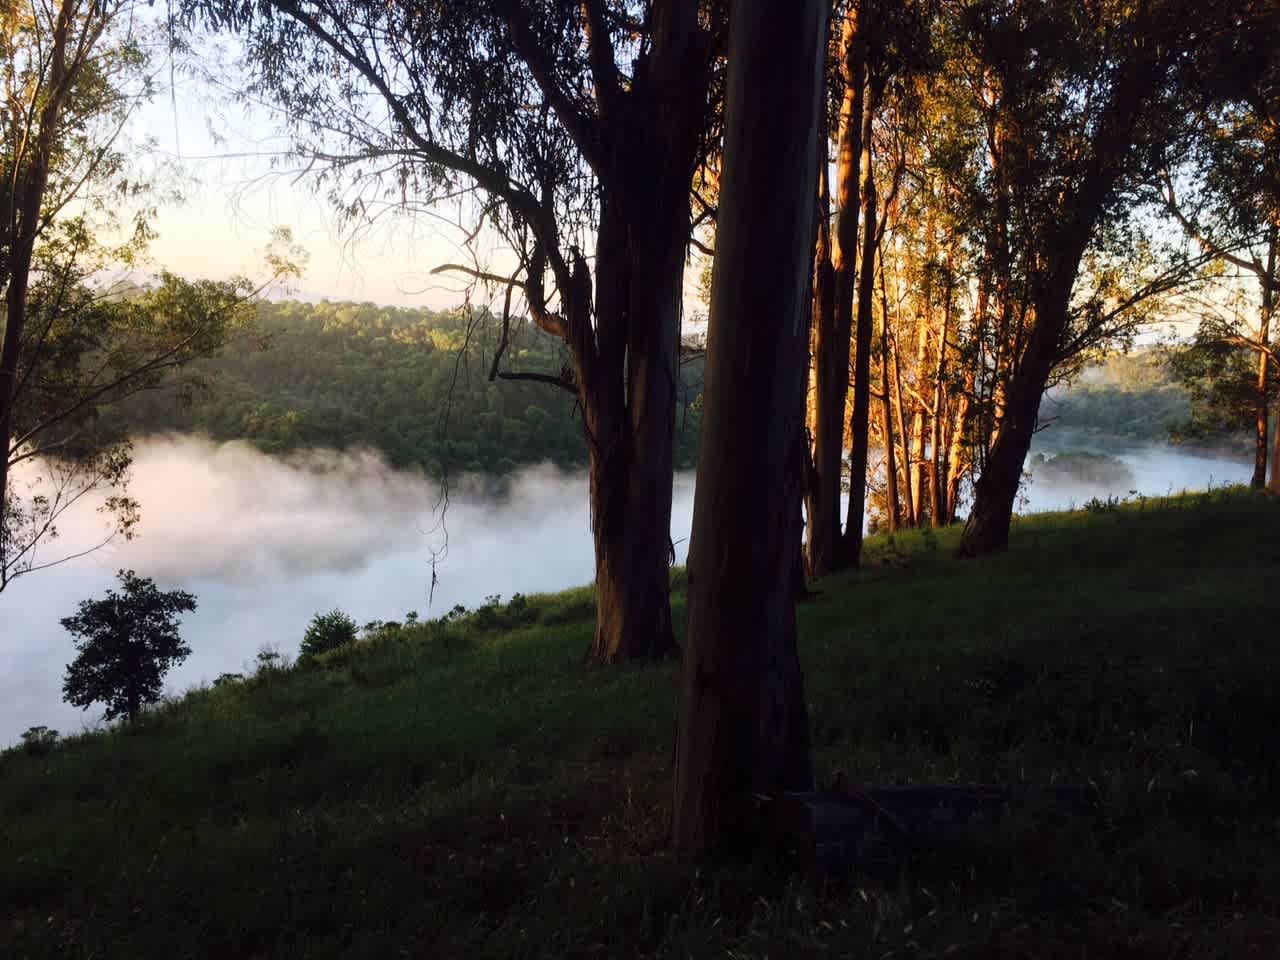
[411, 383]
[1132, 398]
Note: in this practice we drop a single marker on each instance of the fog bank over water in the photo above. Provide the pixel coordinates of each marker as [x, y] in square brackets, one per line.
[1157, 471]
[266, 542]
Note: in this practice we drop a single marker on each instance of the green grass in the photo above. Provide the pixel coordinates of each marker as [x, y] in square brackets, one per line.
[471, 791]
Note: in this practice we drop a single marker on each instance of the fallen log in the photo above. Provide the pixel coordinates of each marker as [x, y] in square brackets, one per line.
[873, 830]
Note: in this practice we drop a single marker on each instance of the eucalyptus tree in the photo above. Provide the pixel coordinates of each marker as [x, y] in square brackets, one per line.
[881, 44]
[1090, 98]
[743, 722]
[574, 124]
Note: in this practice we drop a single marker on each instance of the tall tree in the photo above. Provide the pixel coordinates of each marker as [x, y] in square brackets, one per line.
[833, 299]
[1094, 95]
[572, 121]
[70, 74]
[1233, 211]
[743, 723]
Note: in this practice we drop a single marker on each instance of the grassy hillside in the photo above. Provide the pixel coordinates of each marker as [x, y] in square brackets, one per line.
[467, 790]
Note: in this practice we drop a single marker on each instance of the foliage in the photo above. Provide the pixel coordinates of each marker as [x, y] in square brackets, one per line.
[411, 383]
[1082, 466]
[126, 643]
[454, 802]
[37, 741]
[1144, 397]
[327, 631]
[73, 214]
[1220, 376]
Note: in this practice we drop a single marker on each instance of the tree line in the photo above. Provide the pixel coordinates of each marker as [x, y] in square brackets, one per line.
[411, 383]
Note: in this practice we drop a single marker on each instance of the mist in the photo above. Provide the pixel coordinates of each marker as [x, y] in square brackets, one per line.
[1157, 471]
[266, 542]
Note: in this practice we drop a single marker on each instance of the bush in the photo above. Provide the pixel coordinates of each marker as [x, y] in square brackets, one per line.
[328, 631]
[38, 741]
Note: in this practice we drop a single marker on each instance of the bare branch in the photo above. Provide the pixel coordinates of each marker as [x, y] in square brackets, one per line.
[556, 381]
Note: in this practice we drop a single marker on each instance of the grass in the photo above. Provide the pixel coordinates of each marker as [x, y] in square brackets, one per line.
[468, 790]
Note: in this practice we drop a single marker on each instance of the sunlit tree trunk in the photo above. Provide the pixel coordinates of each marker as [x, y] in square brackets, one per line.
[834, 330]
[918, 464]
[1264, 340]
[937, 460]
[956, 463]
[821, 504]
[909, 506]
[743, 724]
[860, 417]
[890, 455]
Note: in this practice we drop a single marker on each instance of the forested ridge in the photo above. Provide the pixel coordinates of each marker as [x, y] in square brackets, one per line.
[410, 382]
[414, 384]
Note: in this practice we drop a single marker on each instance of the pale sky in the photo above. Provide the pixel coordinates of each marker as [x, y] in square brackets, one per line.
[228, 163]
[230, 167]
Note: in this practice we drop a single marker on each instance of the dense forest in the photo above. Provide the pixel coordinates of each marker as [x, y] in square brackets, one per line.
[411, 383]
[414, 385]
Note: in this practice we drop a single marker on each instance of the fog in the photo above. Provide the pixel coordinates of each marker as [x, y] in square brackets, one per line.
[1158, 471]
[266, 542]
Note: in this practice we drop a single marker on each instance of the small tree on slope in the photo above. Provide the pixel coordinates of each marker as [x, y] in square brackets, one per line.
[127, 642]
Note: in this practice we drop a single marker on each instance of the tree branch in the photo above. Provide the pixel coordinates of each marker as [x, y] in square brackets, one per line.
[581, 127]
[604, 64]
[556, 381]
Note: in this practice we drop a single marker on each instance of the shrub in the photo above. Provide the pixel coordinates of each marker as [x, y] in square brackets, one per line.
[38, 741]
[328, 631]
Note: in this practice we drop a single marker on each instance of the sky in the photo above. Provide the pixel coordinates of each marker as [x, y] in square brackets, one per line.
[230, 166]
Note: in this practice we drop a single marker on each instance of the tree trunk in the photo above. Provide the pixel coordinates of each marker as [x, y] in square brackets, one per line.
[918, 427]
[859, 419]
[955, 459]
[630, 413]
[1264, 339]
[743, 724]
[1274, 483]
[628, 376]
[1260, 429]
[833, 291]
[890, 458]
[24, 227]
[987, 529]
[910, 506]
[822, 486]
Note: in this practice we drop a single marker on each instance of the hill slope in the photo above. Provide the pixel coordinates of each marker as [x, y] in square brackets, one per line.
[466, 789]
